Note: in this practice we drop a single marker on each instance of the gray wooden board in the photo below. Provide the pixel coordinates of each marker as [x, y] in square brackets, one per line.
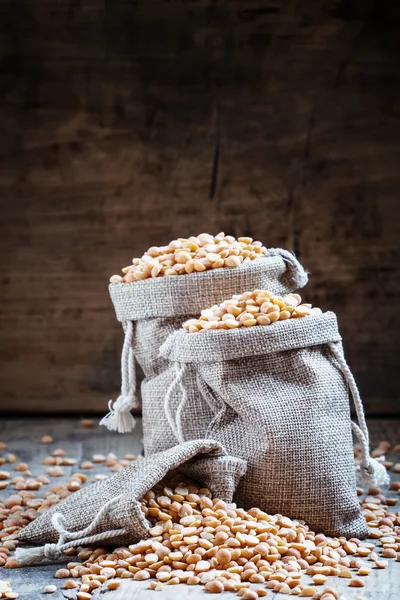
[22, 437]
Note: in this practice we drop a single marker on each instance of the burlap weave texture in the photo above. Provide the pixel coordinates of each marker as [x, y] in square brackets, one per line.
[158, 307]
[278, 399]
[128, 486]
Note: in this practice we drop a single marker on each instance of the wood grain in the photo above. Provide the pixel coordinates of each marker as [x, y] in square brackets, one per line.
[126, 124]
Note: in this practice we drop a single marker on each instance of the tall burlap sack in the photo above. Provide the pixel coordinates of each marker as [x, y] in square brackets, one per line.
[151, 310]
[108, 512]
[279, 398]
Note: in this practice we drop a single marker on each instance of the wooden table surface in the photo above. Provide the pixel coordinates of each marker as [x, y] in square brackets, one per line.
[22, 437]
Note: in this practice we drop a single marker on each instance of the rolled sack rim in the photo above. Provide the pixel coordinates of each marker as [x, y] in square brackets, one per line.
[185, 295]
[229, 344]
[218, 464]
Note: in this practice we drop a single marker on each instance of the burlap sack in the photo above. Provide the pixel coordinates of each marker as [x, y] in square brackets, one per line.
[108, 512]
[279, 398]
[151, 310]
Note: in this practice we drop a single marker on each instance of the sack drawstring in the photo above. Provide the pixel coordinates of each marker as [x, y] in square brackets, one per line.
[119, 417]
[175, 421]
[68, 539]
[370, 470]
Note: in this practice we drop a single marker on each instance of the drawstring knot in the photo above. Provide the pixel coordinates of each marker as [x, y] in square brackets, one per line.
[119, 417]
[51, 552]
[374, 473]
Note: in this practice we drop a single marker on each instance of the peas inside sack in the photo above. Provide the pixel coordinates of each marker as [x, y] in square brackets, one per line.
[150, 302]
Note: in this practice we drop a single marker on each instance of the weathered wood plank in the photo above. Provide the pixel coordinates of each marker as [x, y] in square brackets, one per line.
[111, 114]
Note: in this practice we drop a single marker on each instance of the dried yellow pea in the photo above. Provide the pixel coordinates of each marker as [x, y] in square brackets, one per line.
[260, 307]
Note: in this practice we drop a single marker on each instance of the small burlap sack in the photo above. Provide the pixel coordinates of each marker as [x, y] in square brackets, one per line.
[108, 512]
[151, 310]
[279, 399]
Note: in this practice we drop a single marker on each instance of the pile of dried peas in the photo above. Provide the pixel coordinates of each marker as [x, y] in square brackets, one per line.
[197, 539]
[259, 307]
[191, 255]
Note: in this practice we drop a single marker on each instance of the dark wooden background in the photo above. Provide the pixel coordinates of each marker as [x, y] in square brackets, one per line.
[126, 123]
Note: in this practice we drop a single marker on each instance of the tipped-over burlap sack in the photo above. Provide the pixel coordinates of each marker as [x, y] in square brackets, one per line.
[108, 512]
[151, 310]
[279, 398]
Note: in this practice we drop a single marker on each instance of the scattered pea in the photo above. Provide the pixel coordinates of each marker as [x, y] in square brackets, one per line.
[47, 439]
